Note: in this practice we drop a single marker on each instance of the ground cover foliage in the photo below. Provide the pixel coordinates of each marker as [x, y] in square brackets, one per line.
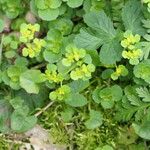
[87, 60]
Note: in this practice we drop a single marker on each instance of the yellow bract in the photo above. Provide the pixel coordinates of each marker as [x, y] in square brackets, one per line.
[130, 40]
[27, 32]
[53, 76]
[73, 54]
[134, 54]
[33, 49]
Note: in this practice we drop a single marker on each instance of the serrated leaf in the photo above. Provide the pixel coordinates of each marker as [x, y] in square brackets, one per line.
[87, 40]
[102, 24]
[110, 53]
[132, 16]
[143, 93]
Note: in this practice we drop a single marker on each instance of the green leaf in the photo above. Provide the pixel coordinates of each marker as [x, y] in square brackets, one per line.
[5, 111]
[78, 86]
[74, 3]
[109, 95]
[48, 14]
[51, 57]
[20, 123]
[1, 25]
[144, 93]
[95, 95]
[76, 100]
[142, 130]
[102, 24]
[67, 114]
[142, 70]
[132, 16]
[87, 40]
[30, 80]
[96, 120]
[110, 53]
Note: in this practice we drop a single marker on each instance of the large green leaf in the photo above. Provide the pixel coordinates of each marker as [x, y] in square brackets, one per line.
[110, 53]
[132, 16]
[87, 40]
[102, 24]
[20, 123]
[30, 80]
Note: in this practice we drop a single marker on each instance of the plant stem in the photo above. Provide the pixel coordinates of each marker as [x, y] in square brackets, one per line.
[44, 109]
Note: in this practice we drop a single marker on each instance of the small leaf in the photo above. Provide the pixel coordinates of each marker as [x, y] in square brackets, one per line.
[76, 100]
[78, 86]
[48, 14]
[74, 3]
[96, 120]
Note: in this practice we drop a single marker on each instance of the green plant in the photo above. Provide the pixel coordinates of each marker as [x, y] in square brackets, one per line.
[88, 60]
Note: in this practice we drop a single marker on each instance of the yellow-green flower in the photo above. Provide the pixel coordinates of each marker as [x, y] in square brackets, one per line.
[27, 31]
[60, 93]
[84, 72]
[120, 71]
[133, 56]
[73, 54]
[33, 49]
[53, 76]
[130, 40]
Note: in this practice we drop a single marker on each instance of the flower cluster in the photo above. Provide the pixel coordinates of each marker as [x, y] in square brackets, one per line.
[83, 72]
[27, 32]
[80, 61]
[133, 56]
[73, 55]
[131, 50]
[33, 49]
[52, 75]
[33, 45]
[60, 93]
[121, 70]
